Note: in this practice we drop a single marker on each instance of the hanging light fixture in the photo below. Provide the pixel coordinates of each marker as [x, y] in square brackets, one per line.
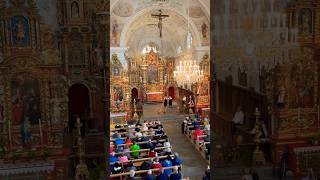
[187, 70]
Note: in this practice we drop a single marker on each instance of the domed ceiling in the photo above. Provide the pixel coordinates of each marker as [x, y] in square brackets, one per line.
[132, 25]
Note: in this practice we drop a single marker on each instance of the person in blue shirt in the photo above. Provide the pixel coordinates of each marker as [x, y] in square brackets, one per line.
[149, 176]
[167, 163]
[113, 158]
[162, 176]
[119, 141]
[176, 161]
[176, 175]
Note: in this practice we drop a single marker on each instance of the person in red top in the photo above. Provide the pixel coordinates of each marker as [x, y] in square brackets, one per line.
[197, 133]
[152, 153]
[129, 142]
[156, 165]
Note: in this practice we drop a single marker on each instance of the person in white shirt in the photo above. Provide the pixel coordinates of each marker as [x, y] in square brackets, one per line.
[144, 127]
[167, 145]
[138, 134]
[237, 120]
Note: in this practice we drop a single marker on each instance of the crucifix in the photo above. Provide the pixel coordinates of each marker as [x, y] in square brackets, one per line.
[160, 16]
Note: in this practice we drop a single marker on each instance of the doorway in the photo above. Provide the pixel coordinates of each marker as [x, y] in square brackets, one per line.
[171, 92]
[79, 105]
[134, 94]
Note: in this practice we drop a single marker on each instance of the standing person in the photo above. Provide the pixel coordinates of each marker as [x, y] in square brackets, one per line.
[191, 106]
[247, 175]
[170, 101]
[165, 103]
[184, 103]
[284, 163]
[176, 175]
[237, 120]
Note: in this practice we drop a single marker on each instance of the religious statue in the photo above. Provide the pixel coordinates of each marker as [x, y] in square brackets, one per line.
[115, 32]
[25, 131]
[204, 29]
[20, 34]
[160, 16]
[281, 97]
[74, 10]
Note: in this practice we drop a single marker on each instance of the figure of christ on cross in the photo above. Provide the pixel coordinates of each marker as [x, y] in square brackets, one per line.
[160, 16]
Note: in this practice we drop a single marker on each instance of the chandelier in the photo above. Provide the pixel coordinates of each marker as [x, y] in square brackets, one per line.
[187, 72]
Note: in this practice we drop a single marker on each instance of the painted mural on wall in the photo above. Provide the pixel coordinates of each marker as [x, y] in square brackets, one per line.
[305, 21]
[25, 97]
[20, 31]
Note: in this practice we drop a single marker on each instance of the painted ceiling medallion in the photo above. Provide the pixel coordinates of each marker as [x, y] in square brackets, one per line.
[123, 9]
[195, 12]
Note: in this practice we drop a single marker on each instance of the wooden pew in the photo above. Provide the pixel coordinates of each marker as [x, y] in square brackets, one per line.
[111, 139]
[197, 142]
[143, 142]
[127, 174]
[126, 128]
[145, 150]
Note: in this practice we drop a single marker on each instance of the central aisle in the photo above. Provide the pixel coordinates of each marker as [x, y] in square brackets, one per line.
[193, 165]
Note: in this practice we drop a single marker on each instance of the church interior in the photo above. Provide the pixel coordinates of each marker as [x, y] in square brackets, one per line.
[159, 89]
[159, 85]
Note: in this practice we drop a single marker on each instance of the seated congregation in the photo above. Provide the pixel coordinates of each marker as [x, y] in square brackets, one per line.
[197, 130]
[142, 151]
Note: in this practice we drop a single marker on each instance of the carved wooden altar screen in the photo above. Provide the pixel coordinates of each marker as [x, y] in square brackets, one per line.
[33, 102]
[295, 101]
[152, 71]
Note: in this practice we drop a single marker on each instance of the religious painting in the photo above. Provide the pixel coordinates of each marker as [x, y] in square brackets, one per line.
[25, 97]
[152, 74]
[117, 96]
[203, 88]
[305, 21]
[20, 31]
[301, 90]
[75, 10]
[76, 55]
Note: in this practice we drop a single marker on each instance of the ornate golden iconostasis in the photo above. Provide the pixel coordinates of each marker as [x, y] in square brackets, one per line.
[119, 86]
